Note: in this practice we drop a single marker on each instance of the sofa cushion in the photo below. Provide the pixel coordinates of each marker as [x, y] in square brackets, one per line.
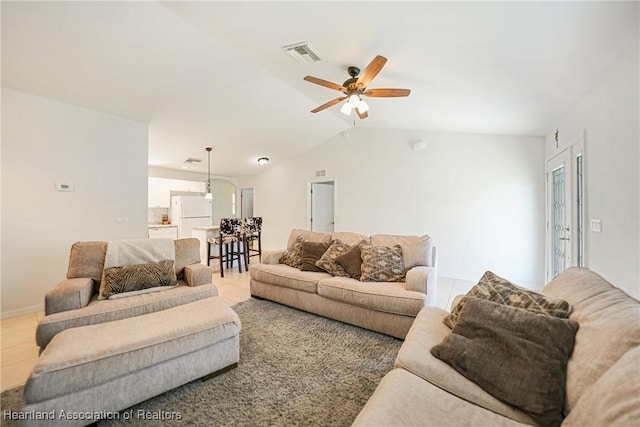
[287, 276]
[349, 238]
[293, 256]
[101, 311]
[132, 279]
[311, 253]
[614, 399]
[494, 288]
[608, 320]
[416, 250]
[381, 263]
[328, 260]
[415, 356]
[403, 399]
[518, 356]
[388, 297]
[86, 260]
[187, 253]
[351, 261]
[308, 236]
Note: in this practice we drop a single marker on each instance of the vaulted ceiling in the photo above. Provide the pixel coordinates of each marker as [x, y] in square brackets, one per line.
[214, 73]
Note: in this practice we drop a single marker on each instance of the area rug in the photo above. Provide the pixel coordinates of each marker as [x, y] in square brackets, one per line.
[295, 369]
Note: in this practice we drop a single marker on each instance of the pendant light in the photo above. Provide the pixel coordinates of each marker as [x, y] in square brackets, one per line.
[208, 196]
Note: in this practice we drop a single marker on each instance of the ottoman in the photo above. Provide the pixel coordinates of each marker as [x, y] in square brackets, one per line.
[92, 372]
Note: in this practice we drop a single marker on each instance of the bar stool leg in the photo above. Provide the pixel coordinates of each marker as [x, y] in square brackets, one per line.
[221, 256]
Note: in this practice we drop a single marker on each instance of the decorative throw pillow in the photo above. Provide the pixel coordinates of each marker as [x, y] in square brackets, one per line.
[351, 261]
[293, 256]
[311, 253]
[494, 288]
[328, 260]
[138, 277]
[382, 263]
[515, 355]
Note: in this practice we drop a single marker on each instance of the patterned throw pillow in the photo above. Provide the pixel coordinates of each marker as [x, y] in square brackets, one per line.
[351, 261]
[138, 277]
[494, 288]
[293, 256]
[311, 253]
[328, 261]
[382, 263]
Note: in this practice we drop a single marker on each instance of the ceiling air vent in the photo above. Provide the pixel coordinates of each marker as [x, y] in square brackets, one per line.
[193, 161]
[302, 53]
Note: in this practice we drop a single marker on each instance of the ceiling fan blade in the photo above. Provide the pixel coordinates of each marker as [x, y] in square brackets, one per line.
[387, 93]
[325, 83]
[363, 115]
[371, 71]
[329, 104]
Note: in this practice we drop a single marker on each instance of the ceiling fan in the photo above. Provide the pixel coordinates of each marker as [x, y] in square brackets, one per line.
[356, 87]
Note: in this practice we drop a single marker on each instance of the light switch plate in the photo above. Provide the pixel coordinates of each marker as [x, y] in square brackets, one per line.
[596, 225]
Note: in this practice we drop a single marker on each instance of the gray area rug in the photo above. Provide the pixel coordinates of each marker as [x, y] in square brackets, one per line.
[295, 368]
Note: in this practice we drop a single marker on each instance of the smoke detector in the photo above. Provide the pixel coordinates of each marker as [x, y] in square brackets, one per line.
[302, 53]
[193, 161]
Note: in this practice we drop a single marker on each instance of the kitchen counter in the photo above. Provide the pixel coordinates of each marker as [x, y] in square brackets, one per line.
[207, 228]
[163, 231]
[204, 233]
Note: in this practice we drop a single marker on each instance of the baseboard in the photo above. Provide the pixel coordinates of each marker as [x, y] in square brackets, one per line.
[22, 311]
[445, 275]
[474, 280]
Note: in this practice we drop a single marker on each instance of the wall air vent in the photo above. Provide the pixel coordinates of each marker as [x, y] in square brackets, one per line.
[302, 53]
[193, 161]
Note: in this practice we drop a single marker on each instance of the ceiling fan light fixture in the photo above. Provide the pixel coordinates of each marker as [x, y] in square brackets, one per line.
[346, 108]
[363, 107]
[354, 87]
[354, 100]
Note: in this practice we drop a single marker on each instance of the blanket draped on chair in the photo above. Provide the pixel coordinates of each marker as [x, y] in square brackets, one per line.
[121, 253]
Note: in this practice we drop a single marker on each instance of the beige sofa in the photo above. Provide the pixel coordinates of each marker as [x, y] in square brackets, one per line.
[74, 302]
[602, 374]
[386, 307]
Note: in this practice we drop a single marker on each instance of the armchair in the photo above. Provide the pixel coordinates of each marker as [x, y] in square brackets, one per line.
[74, 301]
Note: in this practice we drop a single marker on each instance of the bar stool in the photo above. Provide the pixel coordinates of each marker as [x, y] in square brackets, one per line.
[230, 243]
[253, 233]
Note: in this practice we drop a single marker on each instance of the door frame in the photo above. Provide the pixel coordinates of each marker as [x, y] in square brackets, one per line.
[253, 199]
[335, 200]
[577, 209]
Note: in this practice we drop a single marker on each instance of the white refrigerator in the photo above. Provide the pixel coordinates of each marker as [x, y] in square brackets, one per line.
[190, 211]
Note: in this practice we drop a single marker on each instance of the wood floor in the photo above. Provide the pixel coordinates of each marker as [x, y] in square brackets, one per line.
[18, 350]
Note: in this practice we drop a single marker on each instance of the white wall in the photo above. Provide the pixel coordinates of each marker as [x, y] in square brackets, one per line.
[609, 117]
[44, 142]
[481, 197]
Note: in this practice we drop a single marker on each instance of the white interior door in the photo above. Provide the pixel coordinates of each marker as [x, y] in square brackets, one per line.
[322, 207]
[559, 217]
[246, 202]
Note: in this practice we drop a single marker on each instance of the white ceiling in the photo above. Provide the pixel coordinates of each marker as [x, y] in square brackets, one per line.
[214, 73]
